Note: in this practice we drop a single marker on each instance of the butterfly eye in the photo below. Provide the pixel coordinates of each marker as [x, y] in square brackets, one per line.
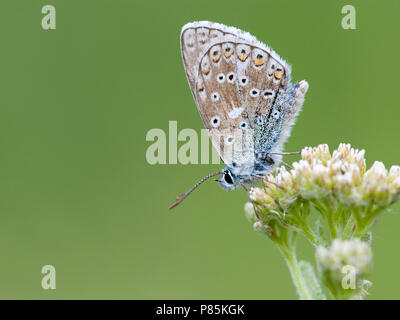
[231, 77]
[214, 96]
[260, 121]
[228, 177]
[215, 121]
[276, 114]
[244, 125]
[254, 92]
[221, 78]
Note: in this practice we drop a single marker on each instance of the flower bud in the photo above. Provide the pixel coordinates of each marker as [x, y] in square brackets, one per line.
[354, 253]
[250, 213]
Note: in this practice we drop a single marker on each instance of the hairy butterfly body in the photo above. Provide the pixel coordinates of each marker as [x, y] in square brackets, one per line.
[244, 96]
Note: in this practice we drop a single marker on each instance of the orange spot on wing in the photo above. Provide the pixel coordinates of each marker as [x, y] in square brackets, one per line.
[259, 62]
[228, 54]
[243, 57]
[278, 75]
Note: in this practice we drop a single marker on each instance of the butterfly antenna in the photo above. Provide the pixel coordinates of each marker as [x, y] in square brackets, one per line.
[285, 153]
[182, 196]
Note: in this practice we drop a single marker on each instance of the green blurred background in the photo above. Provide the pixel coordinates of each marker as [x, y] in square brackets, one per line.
[76, 104]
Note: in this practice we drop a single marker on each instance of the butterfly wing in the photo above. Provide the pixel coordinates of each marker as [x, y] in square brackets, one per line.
[240, 88]
[210, 65]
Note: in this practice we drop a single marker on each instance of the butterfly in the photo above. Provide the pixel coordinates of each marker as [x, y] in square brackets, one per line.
[244, 96]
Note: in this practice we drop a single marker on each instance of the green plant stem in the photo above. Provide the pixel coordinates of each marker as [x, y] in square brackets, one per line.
[309, 234]
[328, 214]
[331, 225]
[291, 260]
[286, 243]
[348, 228]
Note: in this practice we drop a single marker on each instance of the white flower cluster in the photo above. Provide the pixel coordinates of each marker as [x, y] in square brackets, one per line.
[340, 177]
[354, 253]
[348, 198]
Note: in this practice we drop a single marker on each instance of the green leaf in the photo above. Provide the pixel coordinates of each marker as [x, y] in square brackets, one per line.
[308, 274]
[319, 234]
[367, 237]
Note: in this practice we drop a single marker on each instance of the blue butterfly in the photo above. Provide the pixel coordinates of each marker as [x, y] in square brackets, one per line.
[244, 96]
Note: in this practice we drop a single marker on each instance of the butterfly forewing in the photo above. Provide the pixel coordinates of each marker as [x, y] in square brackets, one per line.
[239, 85]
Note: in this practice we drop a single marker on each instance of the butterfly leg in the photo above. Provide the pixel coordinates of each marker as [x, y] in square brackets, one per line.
[267, 159]
[259, 221]
[251, 200]
[267, 181]
[286, 165]
[267, 227]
